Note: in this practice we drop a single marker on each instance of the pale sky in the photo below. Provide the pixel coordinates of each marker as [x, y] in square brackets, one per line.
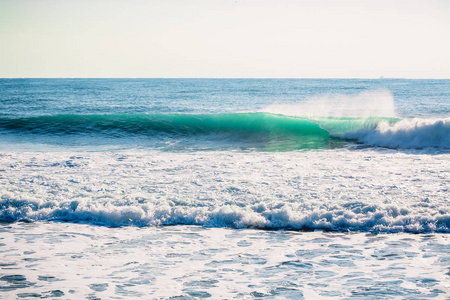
[225, 39]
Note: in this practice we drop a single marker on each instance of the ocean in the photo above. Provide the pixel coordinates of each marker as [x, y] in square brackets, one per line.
[224, 188]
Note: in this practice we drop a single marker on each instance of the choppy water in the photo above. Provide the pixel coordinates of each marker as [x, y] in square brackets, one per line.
[367, 161]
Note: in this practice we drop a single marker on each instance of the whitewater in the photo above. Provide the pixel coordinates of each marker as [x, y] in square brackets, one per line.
[226, 188]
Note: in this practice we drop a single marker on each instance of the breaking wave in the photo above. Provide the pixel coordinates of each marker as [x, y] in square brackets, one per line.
[289, 132]
[408, 133]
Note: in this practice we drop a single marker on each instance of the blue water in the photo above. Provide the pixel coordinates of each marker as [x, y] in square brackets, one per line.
[36, 97]
[217, 114]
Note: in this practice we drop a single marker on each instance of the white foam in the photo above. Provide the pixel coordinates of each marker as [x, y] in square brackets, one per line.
[333, 189]
[407, 133]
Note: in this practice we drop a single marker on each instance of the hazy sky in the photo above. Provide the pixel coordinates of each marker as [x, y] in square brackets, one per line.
[221, 38]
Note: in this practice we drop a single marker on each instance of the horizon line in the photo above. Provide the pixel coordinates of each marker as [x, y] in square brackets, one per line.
[295, 78]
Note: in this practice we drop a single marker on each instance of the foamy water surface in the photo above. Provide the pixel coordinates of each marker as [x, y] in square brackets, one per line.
[73, 261]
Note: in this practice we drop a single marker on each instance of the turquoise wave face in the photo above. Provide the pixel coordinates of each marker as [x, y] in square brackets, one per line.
[259, 131]
[252, 130]
[343, 125]
[182, 124]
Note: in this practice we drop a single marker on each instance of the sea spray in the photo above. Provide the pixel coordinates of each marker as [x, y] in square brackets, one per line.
[371, 103]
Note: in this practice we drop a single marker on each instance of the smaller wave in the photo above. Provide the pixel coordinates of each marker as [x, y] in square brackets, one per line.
[351, 216]
[408, 133]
